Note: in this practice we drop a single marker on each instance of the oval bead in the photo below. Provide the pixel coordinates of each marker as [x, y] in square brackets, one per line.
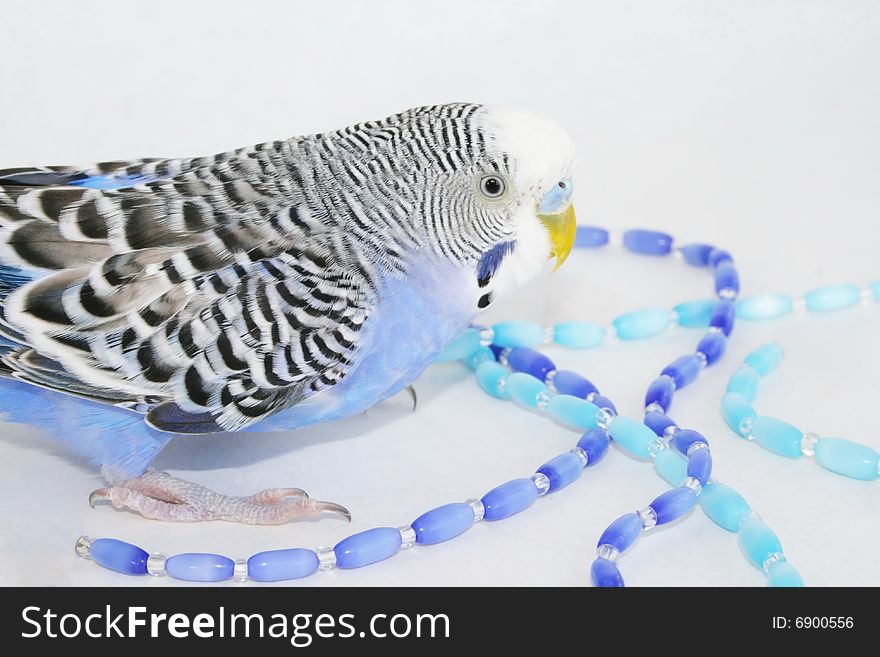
[671, 466]
[726, 279]
[590, 237]
[489, 377]
[660, 392]
[765, 358]
[848, 458]
[199, 567]
[574, 411]
[649, 242]
[595, 444]
[562, 470]
[697, 255]
[606, 574]
[461, 347]
[700, 465]
[367, 547]
[673, 504]
[517, 333]
[623, 532]
[566, 382]
[778, 436]
[578, 335]
[632, 435]
[744, 382]
[119, 556]
[694, 314]
[758, 541]
[683, 370]
[530, 362]
[875, 290]
[640, 324]
[443, 523]
[723, 316]
[764, 306]
[480, 356]
[684, 438]
[724, 505]
[783, 574]
[738, 413]
[718, 257]
[525, 388]
[658, 422]
[508, 499]
[712, 346]
[280, 565]
[833, 297]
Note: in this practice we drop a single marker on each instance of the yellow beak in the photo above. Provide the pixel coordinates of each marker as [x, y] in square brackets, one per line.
[562, 229]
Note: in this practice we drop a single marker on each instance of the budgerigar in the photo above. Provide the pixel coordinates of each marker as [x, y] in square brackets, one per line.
[277, 286]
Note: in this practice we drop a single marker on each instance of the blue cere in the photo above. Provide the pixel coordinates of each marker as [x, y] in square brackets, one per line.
[280, 565]
[119, 556]
[557, 198]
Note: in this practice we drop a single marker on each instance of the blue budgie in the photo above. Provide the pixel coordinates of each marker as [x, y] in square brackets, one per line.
[271, 287]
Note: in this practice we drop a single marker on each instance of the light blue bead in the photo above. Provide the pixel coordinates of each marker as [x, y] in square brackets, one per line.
[848, 458]
[507, 499]
[745, 382]
[833, 297]
[574, 411]
[443, 523]
[778, 436]
[481, 355]
[199, 567]
[737, 412]
[562, 470]
[119, 556]
[764, 306]
[695, 314]
[758, 541]
[517, 333]
[525, 388]
[280, 565]
[783, 574]
[489, 376]
[461, 347]
[671, 466]
[765, 358]
[724, 506]
[632, 435]
[578, 335]
[875, 290]
[367, 547]
[641, 323]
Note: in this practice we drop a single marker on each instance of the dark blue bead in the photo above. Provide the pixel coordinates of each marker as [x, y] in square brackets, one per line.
[658, 422]
[572, 383]
[712, 346]
[496, 350]
[717, 256]
[595, 443]
[605, 573]
[650, 242]
[673, 504]
[684, 438]
[723, 316]
[726, 278]
[683, 370]
[697, 254]
[700, 465]
[562, 470]
[530, 361]
[589, 237]
[660, 392]
[623, 532]
[604, 402]
[119, 556]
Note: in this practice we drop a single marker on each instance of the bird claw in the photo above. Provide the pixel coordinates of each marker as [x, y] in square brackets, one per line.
[414, 396]
[98, 495]
[333, 508]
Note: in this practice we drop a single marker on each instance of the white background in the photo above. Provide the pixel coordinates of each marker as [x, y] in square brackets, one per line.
[752, 125]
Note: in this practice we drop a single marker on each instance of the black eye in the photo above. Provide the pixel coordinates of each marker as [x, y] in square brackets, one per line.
[492, 186]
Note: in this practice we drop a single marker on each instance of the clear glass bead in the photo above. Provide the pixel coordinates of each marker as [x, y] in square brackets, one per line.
[753, 515]
[542, 482]
[582, 455]
[654, 407]
[695, 446]
[671, 379]
[326, 558]
[772, 559]
[477, 506]
[656, 446]
[808, 443]
[694, 484]
[407, 537]
[649, 517]
[704, 360]
[727, 293]
[240, 570]
[83, 547]
[486, 336]
[503, 355]
[615, 238]
[501, 386]
[670, 431]
[867, 296]
[603, 418]
[156, 564]
[715, 329]
[745, 428]
[591, 396]
[673, 317]
[799, 305]
[548, 381]
[606, 551]
[549, 334]
[677, 253]
[542, 399]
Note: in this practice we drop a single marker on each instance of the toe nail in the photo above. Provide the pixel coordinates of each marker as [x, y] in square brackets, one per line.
[98, 495]
[332, 507]
[294, 492]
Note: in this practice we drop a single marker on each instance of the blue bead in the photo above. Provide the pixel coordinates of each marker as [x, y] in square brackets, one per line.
[531, 362]
[697, 254]
[724, 506]
[562, 470]
[726, 279]
[623, 532]
[517, 333]
[848, 458]
[461, 347]
[737, 412]
[119, 556]
[199, 567]
[481, 355]
[367, 547]
[745, 382]
[758, 541]
[525, 388]
[671, 466]
[632, 435]
[833, 297]
[507, 499]
[673, 504]
[578, 335]
[765, 358]
[279, 565]
[778, 436]
[603, 402]
[658, 422]
[595, 444]
[718, 257]
[489, 377]
[650, 242]
[723, 316]
[660, 392]
[694, 314]
[712, 346]
[589, 237]
[574, 411]
[783, 574]
[571, 383]
[683, 370]
[640, 324]
[700, 465]
[875, 290]
[684, 438]
[605, 573]
[764, 306]
[443, 523]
